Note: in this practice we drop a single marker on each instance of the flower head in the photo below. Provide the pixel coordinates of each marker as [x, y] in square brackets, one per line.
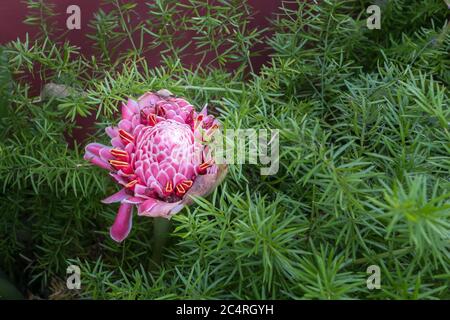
[158, 156]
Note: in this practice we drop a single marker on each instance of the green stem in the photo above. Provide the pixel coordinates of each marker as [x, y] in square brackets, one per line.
[161, 231]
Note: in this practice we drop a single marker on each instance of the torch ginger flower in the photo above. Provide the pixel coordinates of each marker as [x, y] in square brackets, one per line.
[158, 156]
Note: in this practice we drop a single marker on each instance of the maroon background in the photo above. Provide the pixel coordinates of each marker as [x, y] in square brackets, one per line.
[14, 12]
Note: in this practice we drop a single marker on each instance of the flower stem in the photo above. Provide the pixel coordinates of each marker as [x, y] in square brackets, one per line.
[161, 230]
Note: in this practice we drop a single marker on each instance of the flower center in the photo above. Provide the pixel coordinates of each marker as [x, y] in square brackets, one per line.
[167, 138]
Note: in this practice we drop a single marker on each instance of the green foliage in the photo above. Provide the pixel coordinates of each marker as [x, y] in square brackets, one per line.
[364, 154]
[6, 83]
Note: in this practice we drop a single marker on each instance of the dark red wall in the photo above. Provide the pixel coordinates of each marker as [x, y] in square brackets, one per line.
[13, 12]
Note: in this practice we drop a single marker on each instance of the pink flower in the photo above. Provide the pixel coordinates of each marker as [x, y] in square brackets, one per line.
[158, 156]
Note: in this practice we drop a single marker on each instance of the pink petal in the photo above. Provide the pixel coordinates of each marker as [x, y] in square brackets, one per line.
[162, 178]
[139, 171]
[136, 120]
[205, 184]
[129, 109]
[178, 178]
[119, 178]
[187, 170]
[129, 147]
[166, 209]
[157, 208]
[123, 222]
[95, 148]
[170, 170]
[133, 200]
[117, 197]
[148, 99]
[141, 191]
[133, 105]
[170, 114]
[105, 154]
[125, 125]
[92, 158]
[161, 156]
[154, 169]
[137, 129]
[146, 206]
[111, 132]
[180, 102]
[117, 142]
[178, 119]
[156, 187]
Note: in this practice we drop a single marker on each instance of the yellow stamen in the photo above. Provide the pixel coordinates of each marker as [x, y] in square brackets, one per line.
[119, 153]
[126, 136]
[118, 164]
[180, 189]
[205, 165]
[187, 183]
[169, 187]
[131, 184]
[152, 119]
